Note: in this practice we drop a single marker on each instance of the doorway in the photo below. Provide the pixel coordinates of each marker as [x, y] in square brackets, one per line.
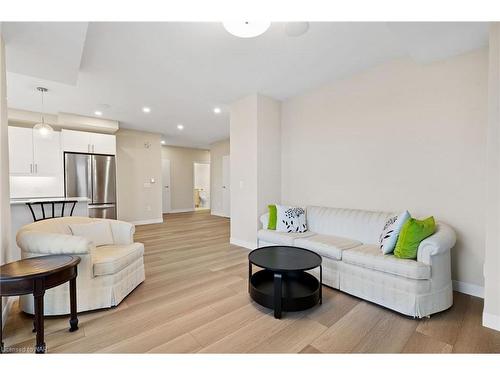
[165, 177]
[226, 186]
[201, 188]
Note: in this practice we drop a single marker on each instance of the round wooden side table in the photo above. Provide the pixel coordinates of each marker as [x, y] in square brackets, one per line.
[35, 276]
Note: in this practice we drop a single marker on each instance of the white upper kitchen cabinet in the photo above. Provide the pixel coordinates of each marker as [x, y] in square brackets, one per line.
[20, 151]
[30, 153]
[47, 154]
[85, 142]
[75, 141]
[103, 143]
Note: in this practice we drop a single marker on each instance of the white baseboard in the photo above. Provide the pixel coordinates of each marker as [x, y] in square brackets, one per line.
[491, 321]
[218, 213]
[179, 210]
[241, 243]
[148, 221]
[6, 306]
[467, 288]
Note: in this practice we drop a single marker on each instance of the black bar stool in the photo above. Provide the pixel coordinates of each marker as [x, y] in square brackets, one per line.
[71, 206]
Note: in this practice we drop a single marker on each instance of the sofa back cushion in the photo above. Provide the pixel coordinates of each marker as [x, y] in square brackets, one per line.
[57, 225]
[360, 225]
[98, 232]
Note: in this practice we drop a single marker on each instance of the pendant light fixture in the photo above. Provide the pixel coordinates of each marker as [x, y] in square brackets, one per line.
[246, 29]
[45, 130]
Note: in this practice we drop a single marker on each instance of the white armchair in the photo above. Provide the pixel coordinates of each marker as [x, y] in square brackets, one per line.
[106, 274]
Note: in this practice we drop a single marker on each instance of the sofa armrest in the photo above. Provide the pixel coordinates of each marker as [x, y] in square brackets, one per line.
[441, 241]
[123, 232]
[264, 220]
[52, 243]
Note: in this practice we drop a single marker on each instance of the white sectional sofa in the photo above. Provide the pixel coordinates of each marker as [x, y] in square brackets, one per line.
[106, 274]
[347, 240]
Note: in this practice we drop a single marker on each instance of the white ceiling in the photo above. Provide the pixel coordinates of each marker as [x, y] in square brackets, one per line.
[183, 70]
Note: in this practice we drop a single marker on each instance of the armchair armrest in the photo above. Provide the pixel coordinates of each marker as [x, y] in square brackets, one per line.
[441, 241]
[52, 243]
[123, 232]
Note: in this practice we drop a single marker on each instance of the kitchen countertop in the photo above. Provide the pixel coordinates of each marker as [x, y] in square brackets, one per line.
[35, 200]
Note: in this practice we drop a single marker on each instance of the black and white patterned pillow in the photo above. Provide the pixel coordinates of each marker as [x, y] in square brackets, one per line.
[387, 231]
[290, 219]
[390, 233]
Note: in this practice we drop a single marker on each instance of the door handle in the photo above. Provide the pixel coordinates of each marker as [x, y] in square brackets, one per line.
[166, 186]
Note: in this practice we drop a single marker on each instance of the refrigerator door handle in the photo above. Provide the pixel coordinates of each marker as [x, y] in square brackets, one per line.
[89, 180]
[101, 206]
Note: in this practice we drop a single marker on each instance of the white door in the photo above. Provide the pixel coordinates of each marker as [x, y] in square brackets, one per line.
[103, 143]
[75, 141]
[20, 150]
[226, 188]
[165, 177]
[47, 154]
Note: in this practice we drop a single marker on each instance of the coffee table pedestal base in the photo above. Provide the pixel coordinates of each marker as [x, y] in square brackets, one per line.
[284, 291]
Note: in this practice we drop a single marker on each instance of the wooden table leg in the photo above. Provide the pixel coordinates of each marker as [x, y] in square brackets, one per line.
[40, 343]
[1, 325]
[277, 295]
[73, 321]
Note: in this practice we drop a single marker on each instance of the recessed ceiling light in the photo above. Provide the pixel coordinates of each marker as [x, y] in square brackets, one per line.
[180, 126]
[98, 113]
[163, 142]
[296, 28]
[146, 109]
[217, 110]
[246, 29]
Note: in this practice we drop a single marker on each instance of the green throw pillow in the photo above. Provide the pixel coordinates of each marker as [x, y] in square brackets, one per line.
[412, 233]
[273, 217]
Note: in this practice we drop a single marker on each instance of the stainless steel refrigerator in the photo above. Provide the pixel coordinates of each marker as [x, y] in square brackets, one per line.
[92, 176]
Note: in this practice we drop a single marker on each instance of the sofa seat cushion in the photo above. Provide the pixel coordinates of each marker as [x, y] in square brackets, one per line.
[327, 246]
[110, 259]
[281, 238]
[370, 256]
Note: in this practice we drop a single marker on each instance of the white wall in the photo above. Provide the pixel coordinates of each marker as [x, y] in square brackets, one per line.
[243, 151]
[400, 136]
[5, 250]
[136, 164]
[217, 151]
[268, 153]
[491, 315]
[182, 161]
[255, 164]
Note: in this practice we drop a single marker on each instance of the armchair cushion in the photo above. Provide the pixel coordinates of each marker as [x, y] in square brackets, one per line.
[98, 232]
[108, 260]
[52, 243]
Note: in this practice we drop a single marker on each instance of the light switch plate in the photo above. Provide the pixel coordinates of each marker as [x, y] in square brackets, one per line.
[147, 185]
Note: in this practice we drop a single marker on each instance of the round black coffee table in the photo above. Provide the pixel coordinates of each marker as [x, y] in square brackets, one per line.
[283, 284]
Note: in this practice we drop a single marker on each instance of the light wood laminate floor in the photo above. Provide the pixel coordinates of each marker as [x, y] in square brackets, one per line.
[195, 299]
